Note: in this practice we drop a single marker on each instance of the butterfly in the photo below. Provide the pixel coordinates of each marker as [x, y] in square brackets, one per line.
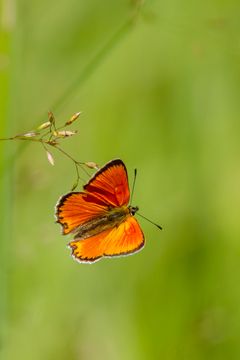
[99, 217]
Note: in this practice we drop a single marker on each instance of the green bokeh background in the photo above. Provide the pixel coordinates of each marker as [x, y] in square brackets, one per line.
[159, 85]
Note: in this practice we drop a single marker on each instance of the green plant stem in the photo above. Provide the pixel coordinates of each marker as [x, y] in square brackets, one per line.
[84, 75]
[6, 175]
[94, 63]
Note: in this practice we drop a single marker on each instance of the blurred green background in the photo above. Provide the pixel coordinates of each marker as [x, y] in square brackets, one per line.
[158, 83]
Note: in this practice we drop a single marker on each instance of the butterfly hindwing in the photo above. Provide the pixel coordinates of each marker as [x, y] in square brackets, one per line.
[125, 239]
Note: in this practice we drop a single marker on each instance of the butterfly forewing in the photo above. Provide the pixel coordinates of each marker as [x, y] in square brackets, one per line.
[110, 184]
[77, 208]
[108, 188]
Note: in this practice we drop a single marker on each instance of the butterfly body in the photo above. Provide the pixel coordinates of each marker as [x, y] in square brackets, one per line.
[113, 218]
[100, 218]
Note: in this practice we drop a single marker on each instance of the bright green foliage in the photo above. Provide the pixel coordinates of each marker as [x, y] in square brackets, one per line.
[161, 93]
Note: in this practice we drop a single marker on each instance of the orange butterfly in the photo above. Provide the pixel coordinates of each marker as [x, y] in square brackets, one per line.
[100, 218]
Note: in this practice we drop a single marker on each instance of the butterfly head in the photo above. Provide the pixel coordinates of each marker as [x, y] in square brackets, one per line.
[133, 210]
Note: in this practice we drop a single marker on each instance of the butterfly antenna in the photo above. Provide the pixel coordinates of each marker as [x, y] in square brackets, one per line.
[133, 185]
[158, 226]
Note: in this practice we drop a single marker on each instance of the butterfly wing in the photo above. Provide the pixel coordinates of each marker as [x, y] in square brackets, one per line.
[77, 208]
[107, 188]
[125, 239]
[110, 184]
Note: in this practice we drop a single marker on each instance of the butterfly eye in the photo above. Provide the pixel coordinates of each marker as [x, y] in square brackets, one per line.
[133, 210]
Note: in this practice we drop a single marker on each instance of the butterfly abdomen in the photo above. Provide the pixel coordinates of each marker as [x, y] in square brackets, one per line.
[110, 219]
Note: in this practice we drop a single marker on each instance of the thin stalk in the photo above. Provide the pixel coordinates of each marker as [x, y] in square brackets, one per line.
[89, 69]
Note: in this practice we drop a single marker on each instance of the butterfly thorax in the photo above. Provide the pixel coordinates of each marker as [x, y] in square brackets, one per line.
[110, 219]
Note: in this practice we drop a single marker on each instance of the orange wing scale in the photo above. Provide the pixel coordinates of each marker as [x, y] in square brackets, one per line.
[76, 208]
[110, 184]
[125, 239]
